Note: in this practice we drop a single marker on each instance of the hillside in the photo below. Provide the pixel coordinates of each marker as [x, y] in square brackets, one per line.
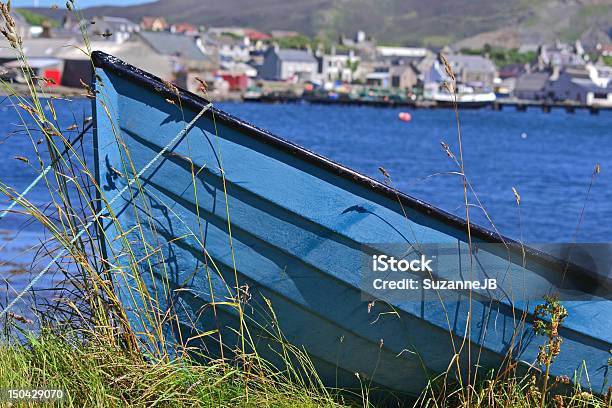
[405, 22]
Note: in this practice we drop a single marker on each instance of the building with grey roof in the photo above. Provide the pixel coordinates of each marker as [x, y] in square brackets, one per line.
[575, 85]
[186, 52]
[531, 86]
[36, 48]
[77, 65]
[473, 69]
[286, 64]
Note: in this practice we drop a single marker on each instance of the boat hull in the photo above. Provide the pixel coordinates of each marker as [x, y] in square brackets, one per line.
[234, 223]
[464, 105]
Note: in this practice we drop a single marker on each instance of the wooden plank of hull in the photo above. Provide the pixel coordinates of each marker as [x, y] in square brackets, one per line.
[300, 225]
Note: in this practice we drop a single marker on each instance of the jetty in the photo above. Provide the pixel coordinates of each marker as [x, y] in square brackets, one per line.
[521, 105]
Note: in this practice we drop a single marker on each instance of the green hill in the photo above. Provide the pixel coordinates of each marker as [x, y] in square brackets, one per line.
[405, 22]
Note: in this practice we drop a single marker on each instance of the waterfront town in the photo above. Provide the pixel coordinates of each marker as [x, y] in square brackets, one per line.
[237, 63]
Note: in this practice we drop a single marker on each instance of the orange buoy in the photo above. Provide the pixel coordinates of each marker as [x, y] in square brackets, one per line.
[405, 116]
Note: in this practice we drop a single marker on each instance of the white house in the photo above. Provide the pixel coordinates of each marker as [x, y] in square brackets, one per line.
[601, 75]
[339, 66]
[231, 50]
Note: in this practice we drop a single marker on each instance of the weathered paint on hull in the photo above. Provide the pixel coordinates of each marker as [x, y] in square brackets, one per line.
[299, 227]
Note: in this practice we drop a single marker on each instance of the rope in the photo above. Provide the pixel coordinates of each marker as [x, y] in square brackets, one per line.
[61, 253]
[42, 174]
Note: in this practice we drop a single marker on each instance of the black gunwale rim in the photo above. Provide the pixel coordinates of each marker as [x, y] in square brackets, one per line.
[195, 102]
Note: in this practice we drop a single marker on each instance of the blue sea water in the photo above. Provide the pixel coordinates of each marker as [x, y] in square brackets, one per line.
[21, 239]
[549, 158]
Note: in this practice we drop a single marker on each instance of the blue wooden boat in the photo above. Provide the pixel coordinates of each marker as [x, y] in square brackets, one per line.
[229, 205]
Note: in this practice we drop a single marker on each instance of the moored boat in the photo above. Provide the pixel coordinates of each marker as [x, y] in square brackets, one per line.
[252, 94]
[465, 97]
[230, 213]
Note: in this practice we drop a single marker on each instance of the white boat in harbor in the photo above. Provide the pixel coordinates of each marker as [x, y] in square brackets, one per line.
[466, 97]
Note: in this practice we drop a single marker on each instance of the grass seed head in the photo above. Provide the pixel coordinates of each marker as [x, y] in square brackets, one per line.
[384, 172]
[516, 196]
[9, 31]
[203, 87]
[447, 67]
[447, 149]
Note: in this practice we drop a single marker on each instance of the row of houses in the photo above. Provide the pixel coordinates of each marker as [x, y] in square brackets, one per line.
[563, 72]
[235, 54]
[66, 61]
[233, 58]
[588, 85]
[391, 67]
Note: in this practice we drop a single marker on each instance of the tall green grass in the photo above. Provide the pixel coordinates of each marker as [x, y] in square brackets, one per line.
[95, 374]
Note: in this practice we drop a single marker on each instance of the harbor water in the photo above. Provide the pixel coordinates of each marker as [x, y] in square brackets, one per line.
[548, 158]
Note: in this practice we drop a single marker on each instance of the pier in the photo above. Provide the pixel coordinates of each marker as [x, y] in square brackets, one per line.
[521, 105]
